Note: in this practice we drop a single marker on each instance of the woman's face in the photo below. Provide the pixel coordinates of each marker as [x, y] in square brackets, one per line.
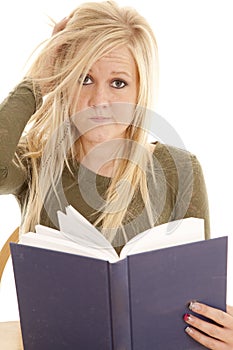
[108, 97]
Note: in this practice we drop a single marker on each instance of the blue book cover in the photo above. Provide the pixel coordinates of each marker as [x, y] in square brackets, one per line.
[68, 301]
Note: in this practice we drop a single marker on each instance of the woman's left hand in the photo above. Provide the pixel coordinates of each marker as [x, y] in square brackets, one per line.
[216, 336]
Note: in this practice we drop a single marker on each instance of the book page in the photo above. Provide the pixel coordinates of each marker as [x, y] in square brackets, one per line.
[173, 233]
[80, 230]
[48, 238]
[78, 236]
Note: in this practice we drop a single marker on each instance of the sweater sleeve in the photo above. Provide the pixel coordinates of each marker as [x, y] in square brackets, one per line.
[192, 199]
[186, 184]
[199, 206]
[15, 112]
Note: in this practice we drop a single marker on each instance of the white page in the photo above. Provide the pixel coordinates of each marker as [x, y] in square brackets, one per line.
[76, 226]
[170, 234]
[70, 211]
[45, 230]
[76, 229]
[48, 231]
[58, 243]
[78, 236]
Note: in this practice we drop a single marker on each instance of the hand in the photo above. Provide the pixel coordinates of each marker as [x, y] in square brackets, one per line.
[216, 336]
[45, 66]
[60, 25]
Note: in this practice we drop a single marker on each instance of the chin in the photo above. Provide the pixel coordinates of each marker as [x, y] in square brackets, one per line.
[104, 134]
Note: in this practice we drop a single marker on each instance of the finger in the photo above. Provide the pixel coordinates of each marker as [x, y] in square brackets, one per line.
[219, 316]
[60, 25]
[230, 310]
[209, 343]
[209, 329]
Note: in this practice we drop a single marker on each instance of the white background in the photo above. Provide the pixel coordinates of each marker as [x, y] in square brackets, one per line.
[195, 95]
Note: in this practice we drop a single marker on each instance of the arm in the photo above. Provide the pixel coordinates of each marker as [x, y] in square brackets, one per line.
[187, 182]
[15, 112]
[198, 206]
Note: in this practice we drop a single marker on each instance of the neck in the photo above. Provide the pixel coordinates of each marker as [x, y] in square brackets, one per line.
[101, 158]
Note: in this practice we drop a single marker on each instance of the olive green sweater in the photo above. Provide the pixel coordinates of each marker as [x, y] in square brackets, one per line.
[179, 190]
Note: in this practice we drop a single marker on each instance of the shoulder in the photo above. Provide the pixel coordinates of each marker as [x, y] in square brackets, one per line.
[29, 91]
[170, 154]
[174, 161]
[165, 150]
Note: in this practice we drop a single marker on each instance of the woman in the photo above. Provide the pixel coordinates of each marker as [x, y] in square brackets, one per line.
[85, 104]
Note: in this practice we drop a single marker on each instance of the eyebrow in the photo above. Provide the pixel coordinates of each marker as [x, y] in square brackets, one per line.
[121, 72]
[118, 72]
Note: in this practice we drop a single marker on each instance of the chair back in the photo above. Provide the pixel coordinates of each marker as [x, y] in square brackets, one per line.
[5, 251]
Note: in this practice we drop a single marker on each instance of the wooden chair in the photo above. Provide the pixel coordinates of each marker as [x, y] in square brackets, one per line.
[5, 251]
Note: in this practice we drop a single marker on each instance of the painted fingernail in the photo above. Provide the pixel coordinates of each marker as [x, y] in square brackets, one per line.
[186, 317]
[194, 306]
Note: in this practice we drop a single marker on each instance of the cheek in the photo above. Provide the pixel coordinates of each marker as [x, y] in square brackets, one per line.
[129, 94]
[81, 119]
[78, 104]
[123, 112]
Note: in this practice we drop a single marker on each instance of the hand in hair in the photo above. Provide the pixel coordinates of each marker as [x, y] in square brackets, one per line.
[60, 25]
[43, 78]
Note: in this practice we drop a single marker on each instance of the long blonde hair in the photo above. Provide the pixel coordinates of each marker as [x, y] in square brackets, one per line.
[93, 30]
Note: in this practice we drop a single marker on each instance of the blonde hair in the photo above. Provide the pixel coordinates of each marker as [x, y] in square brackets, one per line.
[93, 30]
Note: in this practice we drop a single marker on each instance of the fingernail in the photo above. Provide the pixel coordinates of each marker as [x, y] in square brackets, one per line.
[186, 317]
[194, 306]
[188, 330]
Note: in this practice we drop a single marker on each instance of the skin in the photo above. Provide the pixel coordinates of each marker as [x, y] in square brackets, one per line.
[219, 337]
[99, 89]
[105, 108]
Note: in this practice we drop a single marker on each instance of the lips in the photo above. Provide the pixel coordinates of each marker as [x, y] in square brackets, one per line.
[100, 119]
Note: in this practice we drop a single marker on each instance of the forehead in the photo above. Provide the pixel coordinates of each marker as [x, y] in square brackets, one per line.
[118, 57]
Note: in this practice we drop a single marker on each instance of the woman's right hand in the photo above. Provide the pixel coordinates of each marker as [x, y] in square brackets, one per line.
[60, 25]
[46, 69]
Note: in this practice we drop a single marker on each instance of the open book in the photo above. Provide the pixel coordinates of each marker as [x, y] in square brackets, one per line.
[78, 236]
[75, 292]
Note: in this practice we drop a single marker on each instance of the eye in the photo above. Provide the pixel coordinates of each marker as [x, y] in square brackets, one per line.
[118, 84]
[87, 80]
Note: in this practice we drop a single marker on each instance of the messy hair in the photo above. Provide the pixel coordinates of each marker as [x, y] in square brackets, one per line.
[92, 31]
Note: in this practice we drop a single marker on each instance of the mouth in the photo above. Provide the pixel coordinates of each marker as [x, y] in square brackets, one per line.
[101, 119]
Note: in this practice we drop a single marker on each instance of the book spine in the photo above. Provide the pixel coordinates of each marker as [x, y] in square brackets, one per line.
[120, 305]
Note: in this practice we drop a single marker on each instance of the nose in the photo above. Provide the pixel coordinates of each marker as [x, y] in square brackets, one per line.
[99, 97]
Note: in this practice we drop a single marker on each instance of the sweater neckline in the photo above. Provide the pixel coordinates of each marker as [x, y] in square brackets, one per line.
[90, 173]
